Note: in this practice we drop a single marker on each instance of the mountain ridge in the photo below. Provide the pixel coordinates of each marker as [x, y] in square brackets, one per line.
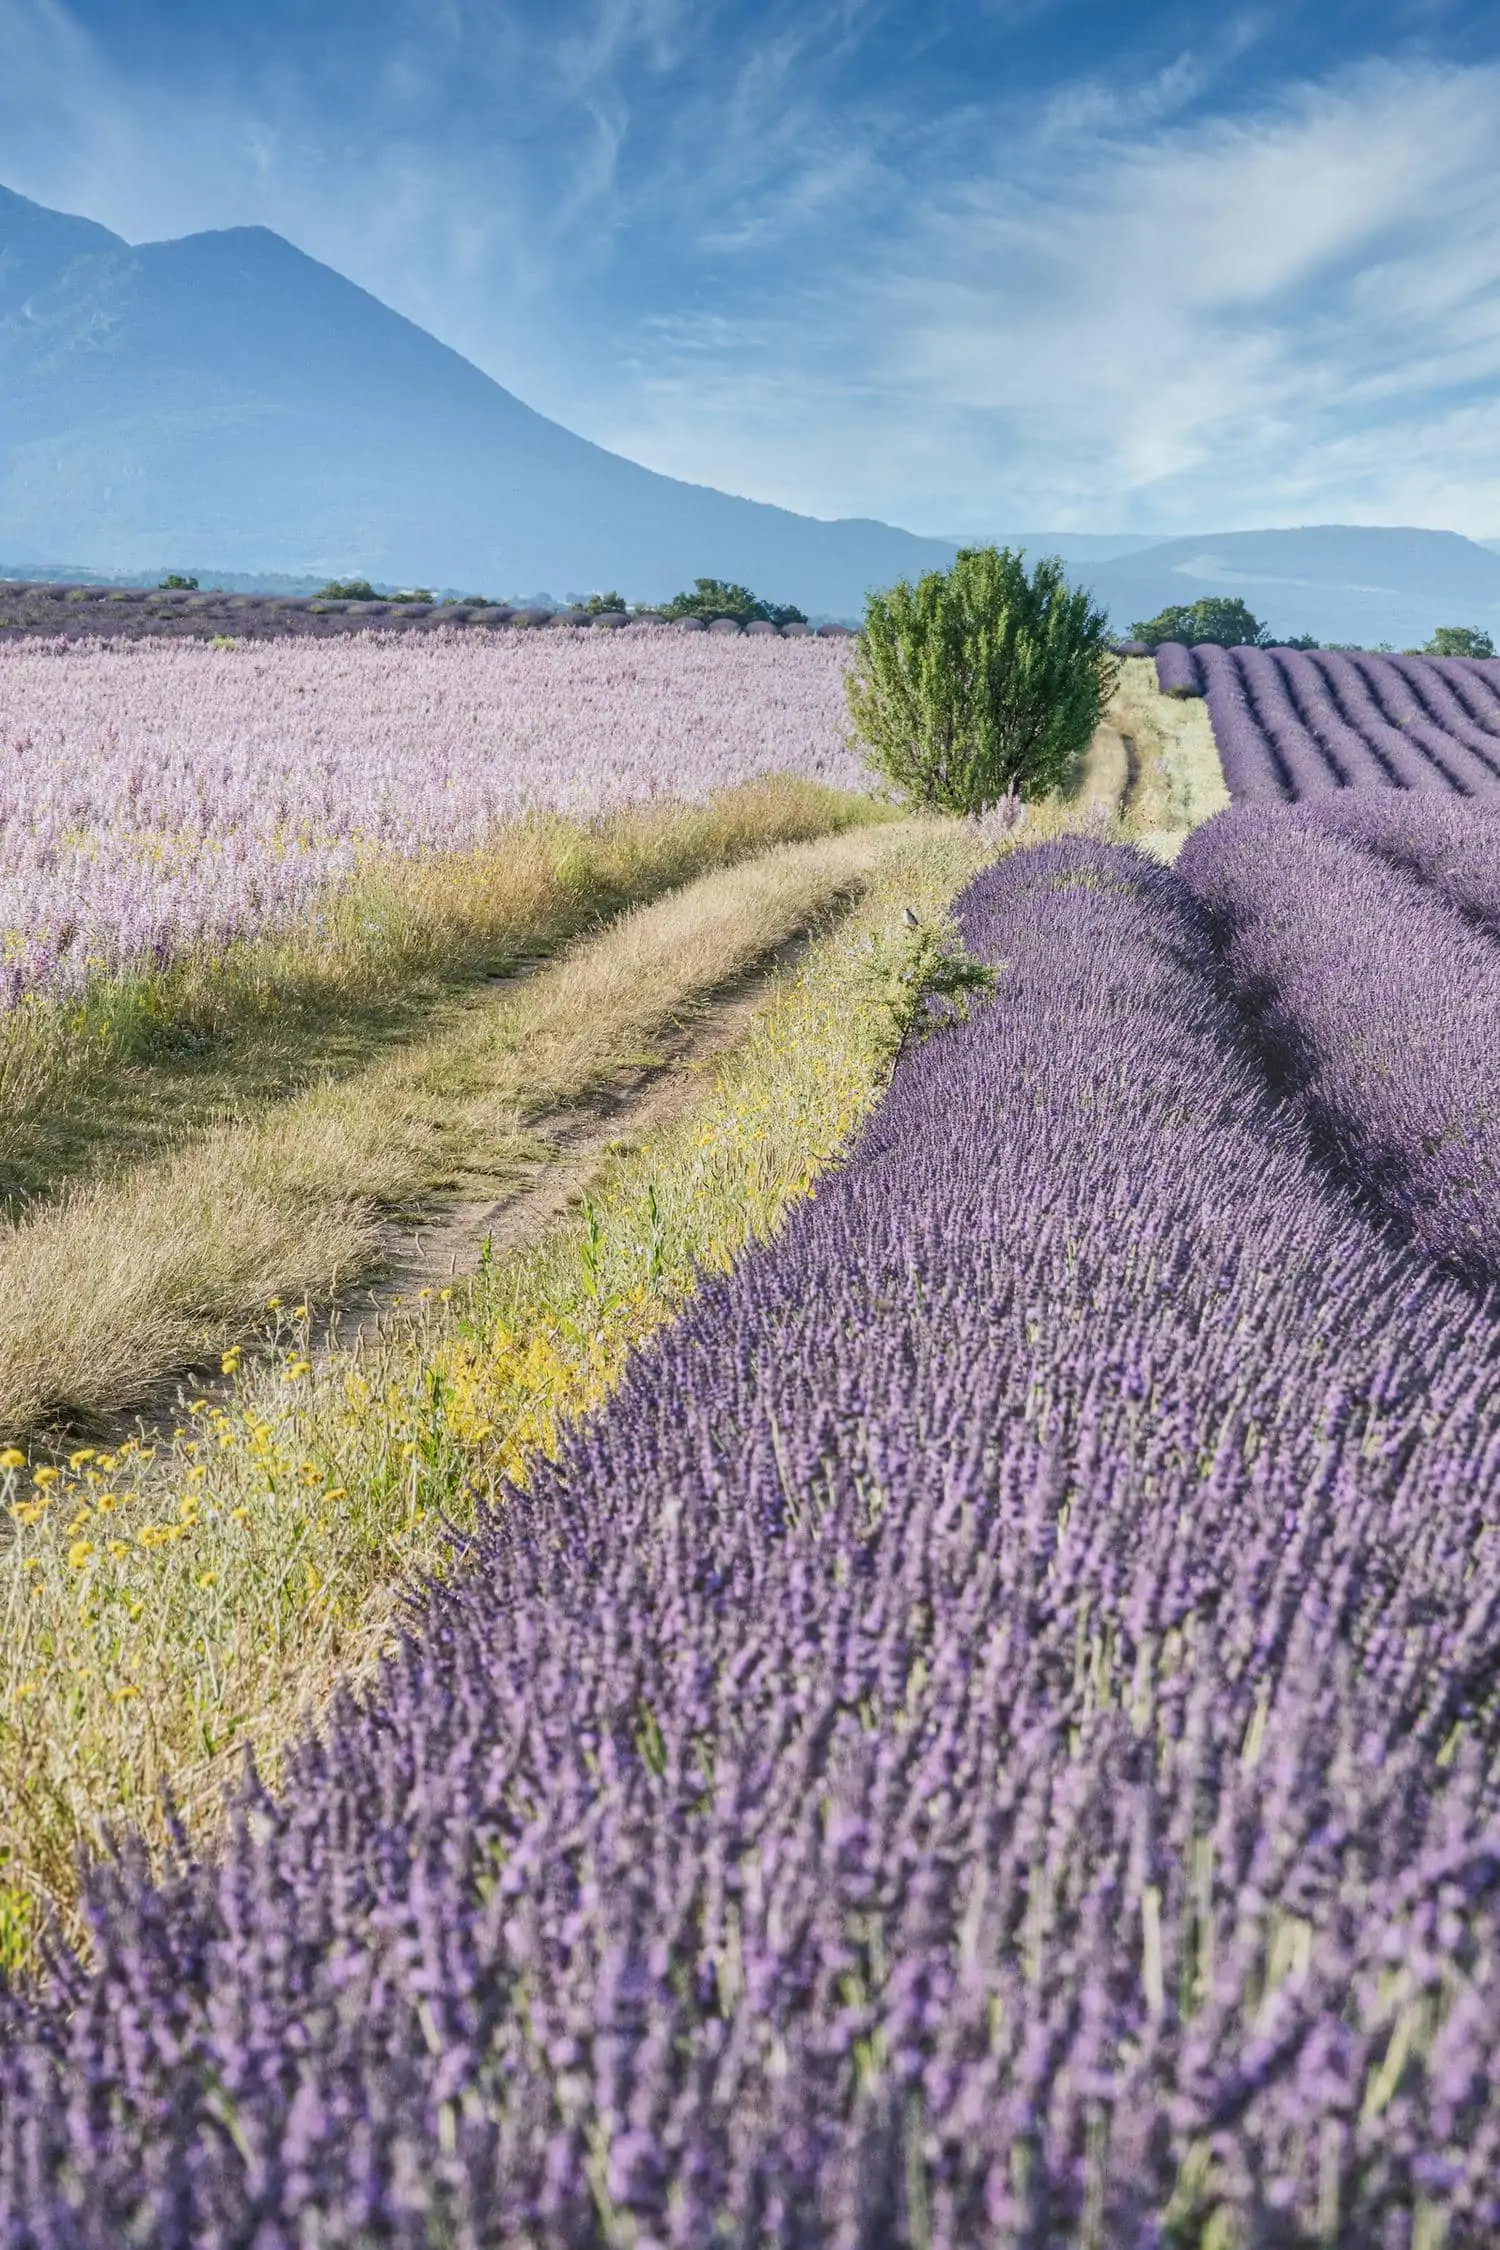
[223, 395]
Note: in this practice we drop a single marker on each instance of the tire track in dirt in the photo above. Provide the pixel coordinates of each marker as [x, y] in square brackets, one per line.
[443, 1242]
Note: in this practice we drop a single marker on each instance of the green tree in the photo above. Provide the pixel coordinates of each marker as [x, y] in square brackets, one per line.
[1217, 618]
[1460, 640]
[718, 597]
[979, 681]
[175, 583]
[604, 605]
[348, 590]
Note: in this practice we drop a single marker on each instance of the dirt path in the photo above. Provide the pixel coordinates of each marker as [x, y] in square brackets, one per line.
[445, 1240]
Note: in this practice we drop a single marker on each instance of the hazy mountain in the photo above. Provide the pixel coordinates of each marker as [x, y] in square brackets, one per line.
[226, 400]
[224, 403]
[1071, 546]
[1340, 582]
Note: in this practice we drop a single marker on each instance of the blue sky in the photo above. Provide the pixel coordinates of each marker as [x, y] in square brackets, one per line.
[1006, 264]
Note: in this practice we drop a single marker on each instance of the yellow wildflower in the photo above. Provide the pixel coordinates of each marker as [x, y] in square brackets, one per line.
[118, 1549]
[11, 1458]
[208, 1578]
[44, 1477]
[77, 1460]
[79, 1553]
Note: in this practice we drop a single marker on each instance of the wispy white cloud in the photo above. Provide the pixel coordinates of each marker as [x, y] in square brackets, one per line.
[1132, 299]
[1199, 322]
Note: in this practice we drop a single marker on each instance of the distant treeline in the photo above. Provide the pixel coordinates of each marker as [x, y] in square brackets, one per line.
[1221, 621]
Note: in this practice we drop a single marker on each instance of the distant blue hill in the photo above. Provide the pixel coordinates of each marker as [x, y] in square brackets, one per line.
[1339, 582]
[226, 400]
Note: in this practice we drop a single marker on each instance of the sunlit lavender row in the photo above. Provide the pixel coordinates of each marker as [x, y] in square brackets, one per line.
[991, 1737]
[1293, 723]
[1452, 846]
[159, 795]
[1374, 1001]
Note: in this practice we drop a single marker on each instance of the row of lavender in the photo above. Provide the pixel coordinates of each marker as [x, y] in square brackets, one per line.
[991, 1736]
[1292, 723]
[156, 795]
[1359, 937]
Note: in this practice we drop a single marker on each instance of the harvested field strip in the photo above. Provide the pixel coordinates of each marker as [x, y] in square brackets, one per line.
[236, 1573]
[988, 1734]
[140, 1062]
[1149, 777]
[106, 1290]
[1173, 779]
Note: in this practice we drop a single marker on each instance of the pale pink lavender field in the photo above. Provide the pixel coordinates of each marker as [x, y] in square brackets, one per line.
[160, 794]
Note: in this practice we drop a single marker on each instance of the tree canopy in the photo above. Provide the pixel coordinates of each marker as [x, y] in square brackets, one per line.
[1460, 640]
[979, 681]
[718, 597]
[1221, 619]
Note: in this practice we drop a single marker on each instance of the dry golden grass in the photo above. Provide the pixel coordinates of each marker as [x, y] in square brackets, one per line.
[1150, 775]
[1178, 782]
[108, 1288]
[144, 1061]
[158, 1613]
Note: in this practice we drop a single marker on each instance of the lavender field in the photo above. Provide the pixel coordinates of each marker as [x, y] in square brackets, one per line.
[1360, 939]
[160, 795]
[1293, 724]
[990, 1737]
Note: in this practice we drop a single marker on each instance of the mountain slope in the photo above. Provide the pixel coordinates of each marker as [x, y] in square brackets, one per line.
[1340, 582]
[226, 398]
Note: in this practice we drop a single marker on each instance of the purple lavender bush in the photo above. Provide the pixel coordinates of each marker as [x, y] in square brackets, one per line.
[989, 1738]
[1376, 1005]
[1451, 846]
[1177, 670]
